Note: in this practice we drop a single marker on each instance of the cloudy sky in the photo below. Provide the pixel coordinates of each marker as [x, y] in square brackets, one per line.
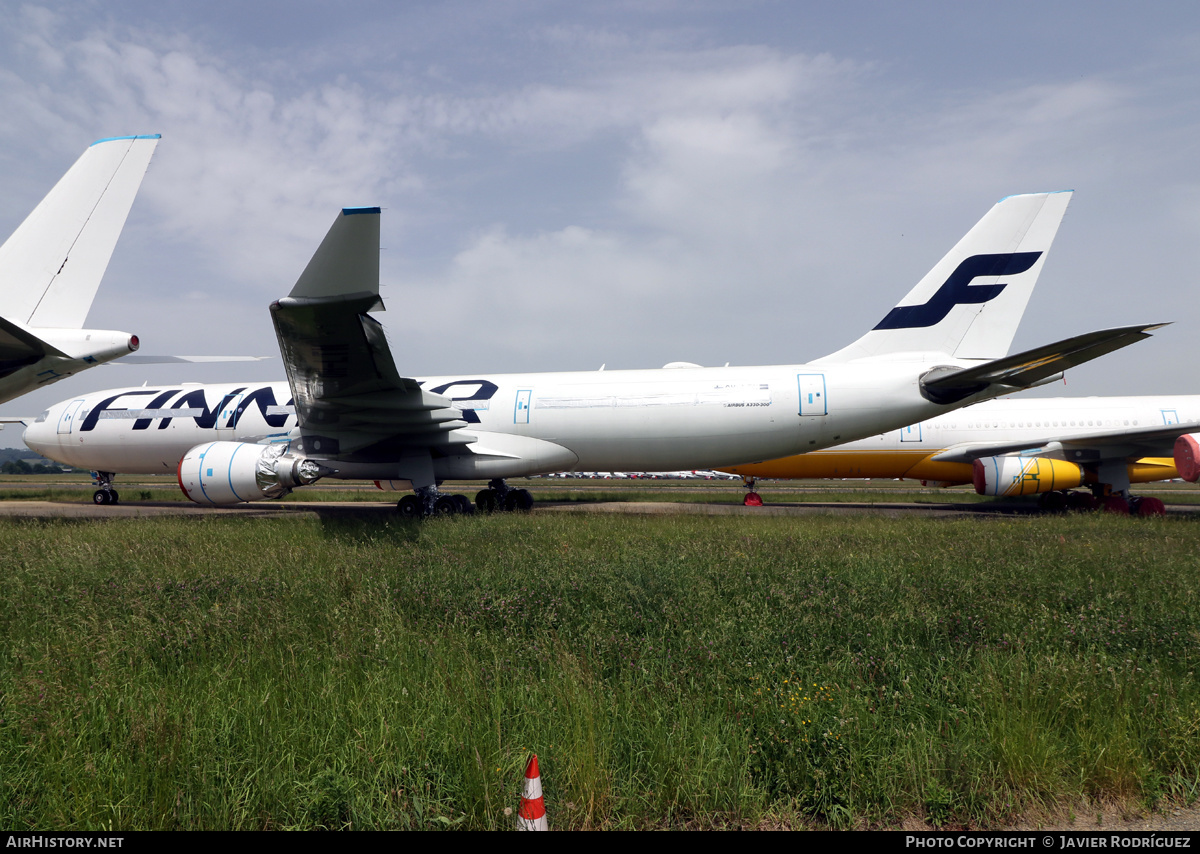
[627, 184]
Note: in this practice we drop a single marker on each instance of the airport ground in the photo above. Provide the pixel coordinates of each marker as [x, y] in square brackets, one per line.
[860, 655]
[160, 494]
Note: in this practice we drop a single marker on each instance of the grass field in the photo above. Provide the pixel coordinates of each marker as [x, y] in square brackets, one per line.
[677, 671]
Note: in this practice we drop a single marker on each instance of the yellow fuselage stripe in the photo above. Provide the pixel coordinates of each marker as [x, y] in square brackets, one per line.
[916, 465]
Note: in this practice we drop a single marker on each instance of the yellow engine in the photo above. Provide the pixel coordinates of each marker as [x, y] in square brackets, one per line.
[1024, 475]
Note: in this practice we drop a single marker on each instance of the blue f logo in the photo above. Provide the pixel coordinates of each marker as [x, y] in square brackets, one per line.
[958, 290]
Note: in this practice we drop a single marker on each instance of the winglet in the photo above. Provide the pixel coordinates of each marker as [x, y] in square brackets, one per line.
[347, 261]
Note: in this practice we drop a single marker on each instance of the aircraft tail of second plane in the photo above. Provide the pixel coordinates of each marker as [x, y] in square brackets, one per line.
[51, 266]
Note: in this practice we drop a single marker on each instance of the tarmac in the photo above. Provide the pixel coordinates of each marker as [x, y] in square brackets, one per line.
[385, 510]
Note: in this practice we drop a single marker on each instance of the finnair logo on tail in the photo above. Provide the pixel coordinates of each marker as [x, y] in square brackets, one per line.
[958, 290]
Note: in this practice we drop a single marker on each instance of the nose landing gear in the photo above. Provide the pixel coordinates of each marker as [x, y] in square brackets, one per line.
[105, 494]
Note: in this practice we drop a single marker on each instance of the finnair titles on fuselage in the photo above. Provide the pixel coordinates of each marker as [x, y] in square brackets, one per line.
[346, 412]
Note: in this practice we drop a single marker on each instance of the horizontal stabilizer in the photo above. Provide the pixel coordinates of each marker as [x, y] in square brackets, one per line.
[178, 360]
[51, 266]
[947, 385]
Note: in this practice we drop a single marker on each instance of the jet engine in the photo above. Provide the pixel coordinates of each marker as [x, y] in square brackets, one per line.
[1187, 456]
[1024, 475]
[232, 472]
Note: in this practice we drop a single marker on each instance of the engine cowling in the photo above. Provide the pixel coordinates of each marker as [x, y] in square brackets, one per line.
[394, 485]
[1024, 475]
[222, 473]
[1187, 456]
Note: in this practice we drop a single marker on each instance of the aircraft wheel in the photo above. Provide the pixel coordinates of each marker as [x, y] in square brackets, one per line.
[518, 499]
[752, 499]
[463, 504]
[445, 505]
[101, 497]
[486, 501]
[1116, 504]
[115, 497]
[409, 507]
[1082, 501]
[1150, 506]
[1052, 502]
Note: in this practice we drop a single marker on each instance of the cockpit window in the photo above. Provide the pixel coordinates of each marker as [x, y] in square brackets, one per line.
[42, 417]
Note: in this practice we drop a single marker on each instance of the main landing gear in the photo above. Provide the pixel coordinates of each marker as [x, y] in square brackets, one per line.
[1117, 503]
[500, 496]
[105, 494]
[752, 499]
[429, 502]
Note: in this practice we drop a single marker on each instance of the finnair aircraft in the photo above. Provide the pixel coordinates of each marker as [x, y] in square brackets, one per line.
[347, 412]
[1025, 447]
[52, 265]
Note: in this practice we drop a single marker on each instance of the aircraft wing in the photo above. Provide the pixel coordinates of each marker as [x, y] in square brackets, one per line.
[1126, 443]
[351, 402]
[1027, 369]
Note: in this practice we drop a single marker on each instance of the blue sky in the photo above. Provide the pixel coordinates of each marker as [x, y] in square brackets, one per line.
[627, 184]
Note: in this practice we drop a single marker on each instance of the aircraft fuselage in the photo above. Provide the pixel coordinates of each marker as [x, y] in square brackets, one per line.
[910, 451]
[681, 418]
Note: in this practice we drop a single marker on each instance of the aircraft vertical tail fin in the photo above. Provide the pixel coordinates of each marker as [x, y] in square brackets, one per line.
[970, 304]
[51, 266]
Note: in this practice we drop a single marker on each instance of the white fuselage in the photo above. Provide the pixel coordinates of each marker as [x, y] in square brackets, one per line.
[908, 452]
[649, 420]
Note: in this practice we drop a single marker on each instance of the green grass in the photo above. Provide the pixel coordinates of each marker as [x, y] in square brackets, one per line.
[669, 672]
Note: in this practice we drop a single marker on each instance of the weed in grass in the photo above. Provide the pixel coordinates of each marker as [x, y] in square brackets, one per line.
[939, 803]
[328, 800]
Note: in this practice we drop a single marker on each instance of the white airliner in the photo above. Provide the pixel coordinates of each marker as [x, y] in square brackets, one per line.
[347, 412]
[1023, 447]
[52, 265]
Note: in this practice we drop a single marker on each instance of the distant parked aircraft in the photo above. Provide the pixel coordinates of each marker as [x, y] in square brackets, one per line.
[1022, 447]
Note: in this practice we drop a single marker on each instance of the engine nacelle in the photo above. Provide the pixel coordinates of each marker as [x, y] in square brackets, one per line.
[1024, 475]
[232, 472]
[1187, 456]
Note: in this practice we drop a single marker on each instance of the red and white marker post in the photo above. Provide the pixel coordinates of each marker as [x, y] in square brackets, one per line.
[532, 814]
